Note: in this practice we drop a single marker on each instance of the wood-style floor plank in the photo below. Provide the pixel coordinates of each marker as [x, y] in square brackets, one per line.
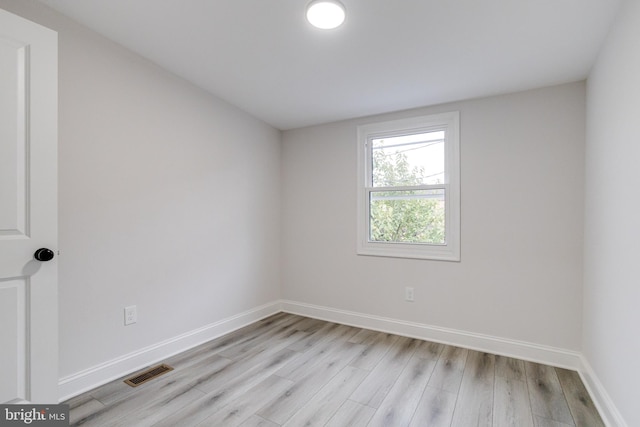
[324, 404]
[241, 409]
[365, 336]
[352, 414]
[429, 350]
[316, 336]
[511, 368]
[80, 409]
[400, 404]
[447, 374]
[475, 399]
[435, 408]
[285, 404]
[580, 404]
[256, 421]
[158, 410]
[545, 393]
[375, 347]
[261, 365]
[310, 325]
[545, 422]
[234, 382]
[333, 341]
[262, 342]
[511, 405]
[295, 371]
[375, 387]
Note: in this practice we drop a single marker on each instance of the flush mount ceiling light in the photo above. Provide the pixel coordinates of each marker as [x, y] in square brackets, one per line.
[325, 14]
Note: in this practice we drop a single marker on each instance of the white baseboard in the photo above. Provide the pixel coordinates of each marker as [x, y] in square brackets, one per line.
[93, 377]
[519, 349]
[608, 411]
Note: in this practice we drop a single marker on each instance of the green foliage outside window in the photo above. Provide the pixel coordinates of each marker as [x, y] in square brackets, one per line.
[406, 216]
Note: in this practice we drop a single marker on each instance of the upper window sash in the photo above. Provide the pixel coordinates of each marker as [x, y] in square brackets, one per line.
[406, 133]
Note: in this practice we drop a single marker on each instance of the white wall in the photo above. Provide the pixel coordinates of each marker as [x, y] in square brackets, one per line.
[612, 220]
[169, 200]
[522, 207]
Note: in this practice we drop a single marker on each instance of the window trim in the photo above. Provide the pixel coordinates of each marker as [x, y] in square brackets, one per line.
[450, 251]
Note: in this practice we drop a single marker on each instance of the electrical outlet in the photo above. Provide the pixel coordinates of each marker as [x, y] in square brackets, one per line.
[130, 315]
[408, 294]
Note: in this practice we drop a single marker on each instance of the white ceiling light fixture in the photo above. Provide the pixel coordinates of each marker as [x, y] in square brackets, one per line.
[326, 14]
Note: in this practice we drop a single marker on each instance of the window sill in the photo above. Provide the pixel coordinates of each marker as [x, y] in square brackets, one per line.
[399, 250]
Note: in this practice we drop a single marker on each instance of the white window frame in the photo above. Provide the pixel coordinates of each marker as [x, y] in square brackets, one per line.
[450, 122]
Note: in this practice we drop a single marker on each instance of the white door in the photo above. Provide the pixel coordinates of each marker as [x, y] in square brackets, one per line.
[28, 211]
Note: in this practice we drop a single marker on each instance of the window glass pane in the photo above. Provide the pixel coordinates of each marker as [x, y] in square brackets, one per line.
[416, 159]
[416, 216]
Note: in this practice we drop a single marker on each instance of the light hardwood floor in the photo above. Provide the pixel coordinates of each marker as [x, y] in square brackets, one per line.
[293, 371]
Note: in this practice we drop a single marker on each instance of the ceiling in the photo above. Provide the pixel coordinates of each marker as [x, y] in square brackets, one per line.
[263, 57]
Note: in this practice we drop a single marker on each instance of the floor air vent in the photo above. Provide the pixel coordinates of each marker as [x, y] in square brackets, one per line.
[148, 375]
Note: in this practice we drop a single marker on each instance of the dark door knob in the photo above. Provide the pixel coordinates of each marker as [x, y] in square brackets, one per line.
[43, 254]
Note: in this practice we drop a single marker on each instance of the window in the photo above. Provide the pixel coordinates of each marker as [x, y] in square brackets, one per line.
[409, 188]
